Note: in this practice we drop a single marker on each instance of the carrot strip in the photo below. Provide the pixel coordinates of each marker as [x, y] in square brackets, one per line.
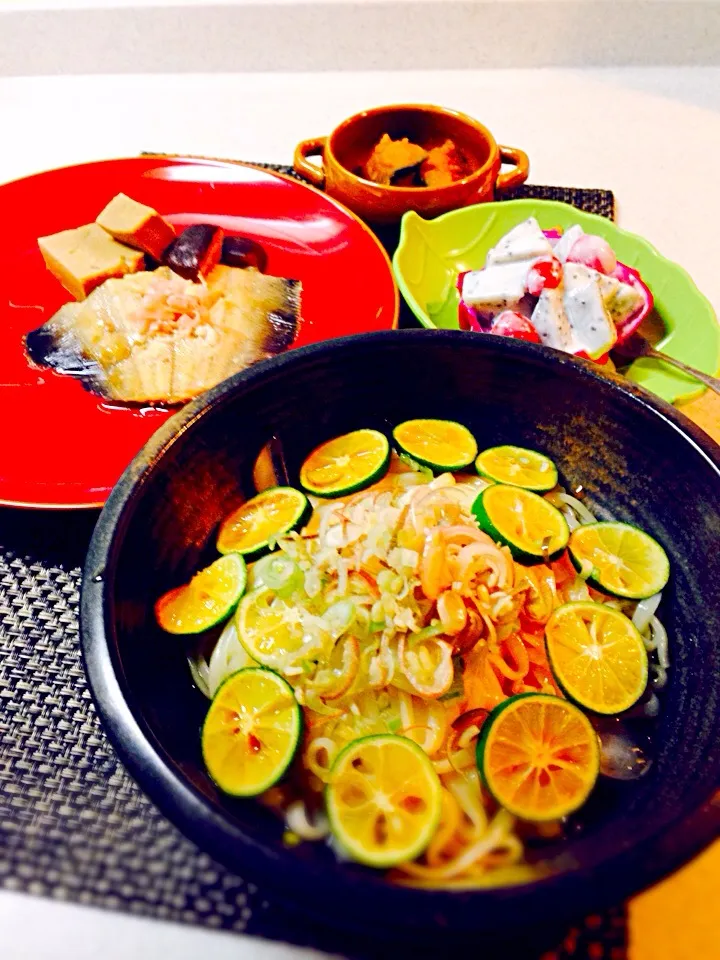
[482, 687]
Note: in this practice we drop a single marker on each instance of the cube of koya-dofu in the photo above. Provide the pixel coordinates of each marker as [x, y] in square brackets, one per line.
[85, 257]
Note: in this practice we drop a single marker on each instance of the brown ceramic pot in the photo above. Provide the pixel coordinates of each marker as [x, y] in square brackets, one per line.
[345, 152]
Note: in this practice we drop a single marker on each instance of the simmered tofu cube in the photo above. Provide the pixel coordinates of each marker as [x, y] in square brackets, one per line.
[84, 258]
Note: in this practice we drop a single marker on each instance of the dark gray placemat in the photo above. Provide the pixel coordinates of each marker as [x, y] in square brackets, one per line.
[73, 825]
[591, 200]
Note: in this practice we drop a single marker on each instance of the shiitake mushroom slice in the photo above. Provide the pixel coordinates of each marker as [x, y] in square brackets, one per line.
[243, 252]
[195, 252]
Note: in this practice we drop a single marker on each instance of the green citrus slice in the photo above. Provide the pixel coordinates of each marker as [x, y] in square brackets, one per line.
[623, 560]
[539, 756]
[346, 464]
[210, 597]
[272, 631]
[518, 467]
[383, 800]
[529, 525]
[264, 518]
[442, 445]
[597, 656]
[251, 732]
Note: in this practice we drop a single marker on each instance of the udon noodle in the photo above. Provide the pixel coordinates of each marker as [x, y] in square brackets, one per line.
[445, 626]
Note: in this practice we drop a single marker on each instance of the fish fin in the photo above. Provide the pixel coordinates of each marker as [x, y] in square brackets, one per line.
[56, 345]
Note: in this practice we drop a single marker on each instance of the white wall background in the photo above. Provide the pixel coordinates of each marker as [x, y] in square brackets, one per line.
[41, 37]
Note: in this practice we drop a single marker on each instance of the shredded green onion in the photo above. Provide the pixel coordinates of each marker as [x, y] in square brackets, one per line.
[427, 633]
[340, 616]
[415, 466]
[586, 569]
[279, 573]
[450, 695]
[385, 579]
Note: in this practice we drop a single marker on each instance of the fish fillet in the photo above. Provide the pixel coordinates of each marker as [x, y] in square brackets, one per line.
[154, 337]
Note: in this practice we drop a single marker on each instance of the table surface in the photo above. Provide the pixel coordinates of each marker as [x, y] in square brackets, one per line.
[654, 155]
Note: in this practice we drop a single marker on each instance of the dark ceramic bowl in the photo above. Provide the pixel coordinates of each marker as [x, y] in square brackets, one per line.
[636, 457]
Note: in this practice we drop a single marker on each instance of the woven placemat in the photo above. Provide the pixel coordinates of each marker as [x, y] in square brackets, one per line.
[73, 825]
[591, 200]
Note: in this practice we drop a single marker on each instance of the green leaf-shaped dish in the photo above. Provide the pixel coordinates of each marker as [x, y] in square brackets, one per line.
[432, 253]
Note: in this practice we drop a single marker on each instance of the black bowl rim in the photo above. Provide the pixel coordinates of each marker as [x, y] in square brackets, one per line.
[598, 887]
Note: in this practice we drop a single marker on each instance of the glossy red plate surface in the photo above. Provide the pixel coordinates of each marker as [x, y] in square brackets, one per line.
[63, 447]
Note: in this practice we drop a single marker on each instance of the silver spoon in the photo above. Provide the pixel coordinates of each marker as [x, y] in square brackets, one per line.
[637, 346]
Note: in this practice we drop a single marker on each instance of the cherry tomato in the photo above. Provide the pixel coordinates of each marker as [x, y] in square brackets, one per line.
[544, 272]
[593, 252]
[511, 324]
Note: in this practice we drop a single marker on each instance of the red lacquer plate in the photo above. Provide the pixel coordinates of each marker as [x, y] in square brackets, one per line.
[63, 447]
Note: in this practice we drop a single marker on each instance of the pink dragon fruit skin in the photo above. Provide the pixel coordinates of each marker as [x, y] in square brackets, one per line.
[627, 275]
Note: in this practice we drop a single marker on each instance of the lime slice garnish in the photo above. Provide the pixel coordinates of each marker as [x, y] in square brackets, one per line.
[383, 800]
[210, 597]
[539, 756]
[442, 445]
[269, 515]
[622, 560]
[529, 525]
[518, 467]
[346, 464]
[272, 631]
[597, 656]
[251, 732]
